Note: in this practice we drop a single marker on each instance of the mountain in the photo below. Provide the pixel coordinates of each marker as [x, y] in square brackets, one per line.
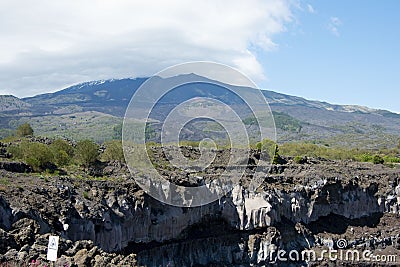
[110, 96]
[12, 103]
[94, 109]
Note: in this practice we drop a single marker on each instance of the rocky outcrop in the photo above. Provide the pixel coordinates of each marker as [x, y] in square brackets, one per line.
[126, 219]
[232, 250]
[3, 151]
[123, 224]
[15, 167]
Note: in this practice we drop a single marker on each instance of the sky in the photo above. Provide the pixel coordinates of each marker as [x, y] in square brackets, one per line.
[342, 52]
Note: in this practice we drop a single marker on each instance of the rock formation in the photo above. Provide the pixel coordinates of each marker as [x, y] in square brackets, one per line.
[113, 222]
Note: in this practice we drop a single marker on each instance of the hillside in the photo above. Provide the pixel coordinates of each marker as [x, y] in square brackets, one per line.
[296, 118]
[11, 103]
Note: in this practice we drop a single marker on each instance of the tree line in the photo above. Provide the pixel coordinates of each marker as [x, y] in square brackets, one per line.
[60, 152]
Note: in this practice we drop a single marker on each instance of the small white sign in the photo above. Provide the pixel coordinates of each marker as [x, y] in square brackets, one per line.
[52, 248]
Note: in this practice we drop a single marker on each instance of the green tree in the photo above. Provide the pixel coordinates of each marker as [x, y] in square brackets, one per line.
[63, 152]
[113, 151]
[24, 130]
[86, 152]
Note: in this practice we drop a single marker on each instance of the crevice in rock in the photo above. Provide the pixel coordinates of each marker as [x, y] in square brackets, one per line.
[337, 224]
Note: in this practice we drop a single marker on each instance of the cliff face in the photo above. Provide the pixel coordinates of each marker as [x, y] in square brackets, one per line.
[291, 211]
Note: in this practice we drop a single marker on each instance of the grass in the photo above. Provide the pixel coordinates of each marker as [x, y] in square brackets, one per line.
[11, 138]
[4, 181]
[85, 195]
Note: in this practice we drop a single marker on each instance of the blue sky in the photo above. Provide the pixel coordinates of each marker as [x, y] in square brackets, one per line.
[344, 52]
[358, 63]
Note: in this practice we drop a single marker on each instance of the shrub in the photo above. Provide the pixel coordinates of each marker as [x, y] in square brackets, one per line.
[24, 130]
[85, 195]
[269, 146]
[378, 160]
[37, 155]
[314, 150]
[63, 152]
[113, 151]
[299, 159]
[391, 159]
[61, 158]
[15, 151]
[366, 157]
[86, 152]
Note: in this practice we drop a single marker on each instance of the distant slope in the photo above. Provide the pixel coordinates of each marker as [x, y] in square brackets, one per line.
[110, 96]
[113, 93]
[287, 100]
[12, 103]
[296, 118]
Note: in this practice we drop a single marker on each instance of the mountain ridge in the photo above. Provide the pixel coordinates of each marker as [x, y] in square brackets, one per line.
[273, 97]
[319, 121]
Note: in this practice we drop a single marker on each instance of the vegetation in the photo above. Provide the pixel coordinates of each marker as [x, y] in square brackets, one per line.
[85, 195]
[4, 181]
[37, 155]
[113, 151]
[367, 141]
[41, 156]
[86, 152]
[313, 150]
[378, 160]
[62, 151]
[24, 130]
[267, 145]
[77, 126]
[299, 159]
[300, 150]
[391, 159]
[283, 121]
[150, 133]
[271, 148]
[117, 131]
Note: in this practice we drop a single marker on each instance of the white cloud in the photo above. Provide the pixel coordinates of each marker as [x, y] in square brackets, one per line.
[310, 9]
[334, 25]
[50, 44]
